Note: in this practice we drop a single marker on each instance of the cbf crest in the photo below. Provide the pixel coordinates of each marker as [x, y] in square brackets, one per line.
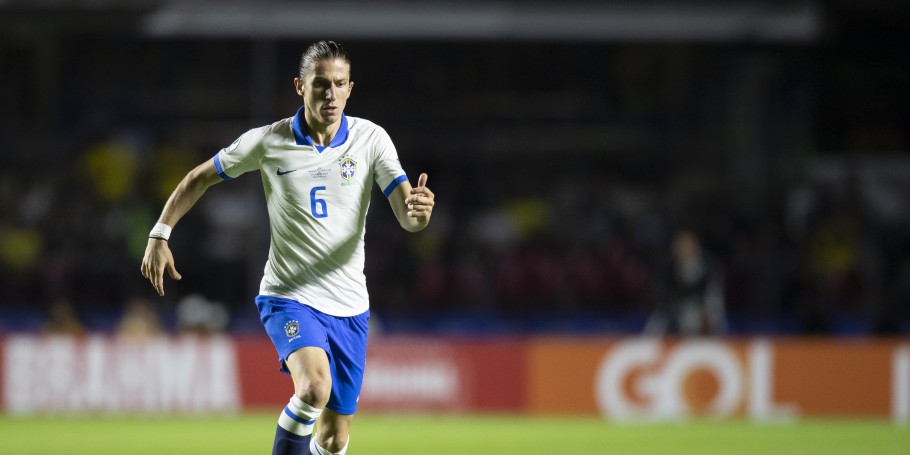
[291, 329]
[348, 168]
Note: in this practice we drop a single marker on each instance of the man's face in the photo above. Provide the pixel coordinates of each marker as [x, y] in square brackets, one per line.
[325, 91]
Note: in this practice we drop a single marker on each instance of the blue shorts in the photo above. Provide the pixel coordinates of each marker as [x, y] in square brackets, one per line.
[292, 325]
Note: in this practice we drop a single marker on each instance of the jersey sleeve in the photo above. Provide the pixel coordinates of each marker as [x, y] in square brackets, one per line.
[386, 166]
[243, 155]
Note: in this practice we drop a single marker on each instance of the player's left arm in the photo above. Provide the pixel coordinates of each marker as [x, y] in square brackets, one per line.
[413, 206]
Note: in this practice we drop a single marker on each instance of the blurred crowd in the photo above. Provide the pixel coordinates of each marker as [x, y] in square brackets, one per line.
[597, 255]
[639, 189]
[584, 251]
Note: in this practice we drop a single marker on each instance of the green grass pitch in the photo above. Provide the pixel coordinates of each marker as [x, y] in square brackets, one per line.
[388, 434]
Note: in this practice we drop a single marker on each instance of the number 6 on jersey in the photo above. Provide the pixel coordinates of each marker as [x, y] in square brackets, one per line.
[318, 206]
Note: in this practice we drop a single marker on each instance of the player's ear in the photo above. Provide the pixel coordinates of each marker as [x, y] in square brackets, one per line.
[298, 85]
[350, 87]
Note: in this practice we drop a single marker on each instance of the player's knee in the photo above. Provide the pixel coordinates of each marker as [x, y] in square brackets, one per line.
[315, 392]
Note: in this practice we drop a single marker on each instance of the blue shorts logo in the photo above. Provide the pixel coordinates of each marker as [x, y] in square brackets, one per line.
[291, 329]
[348, 168]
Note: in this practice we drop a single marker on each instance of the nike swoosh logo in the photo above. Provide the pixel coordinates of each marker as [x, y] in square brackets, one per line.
[285, 172]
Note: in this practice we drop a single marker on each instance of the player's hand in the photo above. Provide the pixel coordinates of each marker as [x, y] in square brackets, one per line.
[157, 258]
[421, 201]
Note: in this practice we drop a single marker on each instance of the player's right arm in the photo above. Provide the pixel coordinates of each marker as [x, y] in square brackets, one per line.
[158, 256]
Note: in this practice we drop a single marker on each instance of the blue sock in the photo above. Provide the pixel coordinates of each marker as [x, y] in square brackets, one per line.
[295, 428]
[287, 443]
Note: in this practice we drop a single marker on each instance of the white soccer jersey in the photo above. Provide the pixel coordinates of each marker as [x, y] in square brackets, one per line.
[317, 200]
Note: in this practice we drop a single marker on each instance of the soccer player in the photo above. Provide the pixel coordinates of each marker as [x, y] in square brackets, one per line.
[317, 169]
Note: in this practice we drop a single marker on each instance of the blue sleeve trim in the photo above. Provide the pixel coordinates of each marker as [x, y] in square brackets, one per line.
[219, 169]
[388, 190]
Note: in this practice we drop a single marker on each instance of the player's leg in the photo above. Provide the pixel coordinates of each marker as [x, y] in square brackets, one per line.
[347, 339]
[309, 368]
[334, 431]
[303, 353]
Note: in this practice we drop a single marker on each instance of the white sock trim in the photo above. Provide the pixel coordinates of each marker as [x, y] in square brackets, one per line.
[298, 417]
[308, 410]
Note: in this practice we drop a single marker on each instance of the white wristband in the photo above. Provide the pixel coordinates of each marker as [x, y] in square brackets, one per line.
[160, 231]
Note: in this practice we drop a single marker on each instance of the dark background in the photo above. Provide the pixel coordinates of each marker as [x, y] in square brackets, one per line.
[567, 146]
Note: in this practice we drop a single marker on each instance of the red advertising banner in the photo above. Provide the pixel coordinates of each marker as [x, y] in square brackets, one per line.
[221, 374]
[262, 384]
[620, 379]
[412, 374]
[444, 375]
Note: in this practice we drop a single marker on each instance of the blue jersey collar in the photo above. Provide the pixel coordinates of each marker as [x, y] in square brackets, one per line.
[302, 138]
